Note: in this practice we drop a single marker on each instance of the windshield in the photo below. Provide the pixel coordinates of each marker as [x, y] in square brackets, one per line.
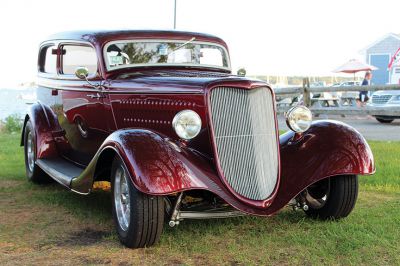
[144, 53]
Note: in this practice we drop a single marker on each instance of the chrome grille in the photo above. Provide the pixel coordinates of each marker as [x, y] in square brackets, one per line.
[381, 99]
[245, 137]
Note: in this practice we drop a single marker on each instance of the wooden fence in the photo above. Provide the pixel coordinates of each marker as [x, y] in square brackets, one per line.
[338, 109]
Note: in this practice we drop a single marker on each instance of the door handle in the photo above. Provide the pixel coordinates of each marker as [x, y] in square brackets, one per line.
[95, 96]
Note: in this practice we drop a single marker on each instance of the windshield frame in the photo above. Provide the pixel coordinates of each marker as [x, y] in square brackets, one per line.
[109, 68]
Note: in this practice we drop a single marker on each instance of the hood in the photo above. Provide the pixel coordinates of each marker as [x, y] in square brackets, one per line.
[152, 99]
[388, 92]
[173, 81]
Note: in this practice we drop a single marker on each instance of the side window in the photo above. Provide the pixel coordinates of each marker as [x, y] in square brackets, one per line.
[74, 56]
[47, 60]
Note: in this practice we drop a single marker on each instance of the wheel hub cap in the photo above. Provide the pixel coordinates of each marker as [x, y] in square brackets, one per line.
[30, 152]
[121, 198]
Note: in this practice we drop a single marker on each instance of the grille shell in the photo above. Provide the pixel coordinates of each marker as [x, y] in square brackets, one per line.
[381, 99]
[245, 136]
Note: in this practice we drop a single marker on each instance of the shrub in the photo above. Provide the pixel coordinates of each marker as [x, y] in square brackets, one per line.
[11, 124]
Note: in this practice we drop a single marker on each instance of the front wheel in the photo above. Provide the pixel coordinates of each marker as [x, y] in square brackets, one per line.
[138, 217]
[332, 198]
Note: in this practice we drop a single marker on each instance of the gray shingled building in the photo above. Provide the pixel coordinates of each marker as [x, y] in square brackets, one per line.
[379, 54]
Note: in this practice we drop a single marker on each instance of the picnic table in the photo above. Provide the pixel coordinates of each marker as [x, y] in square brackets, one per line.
[325, 102]
[349, 99]
[346, 100]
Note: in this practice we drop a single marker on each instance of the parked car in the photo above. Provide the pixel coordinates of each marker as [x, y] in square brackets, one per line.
[318, 84]
[347, 97]
[160, 116]
[385, 99]
[347, 83]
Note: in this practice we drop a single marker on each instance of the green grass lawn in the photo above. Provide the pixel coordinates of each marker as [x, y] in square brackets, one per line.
[49, 225]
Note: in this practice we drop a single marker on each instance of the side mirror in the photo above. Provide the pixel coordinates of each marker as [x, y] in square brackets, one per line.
[82, 72]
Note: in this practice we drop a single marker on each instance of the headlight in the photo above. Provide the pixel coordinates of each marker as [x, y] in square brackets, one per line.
[299, 118]
[187, 124]
[395, 99]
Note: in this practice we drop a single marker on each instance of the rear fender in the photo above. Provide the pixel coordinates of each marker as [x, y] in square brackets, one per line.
[43, 122]
[328, 148]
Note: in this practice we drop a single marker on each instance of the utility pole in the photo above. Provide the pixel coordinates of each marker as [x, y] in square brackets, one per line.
[175, 15]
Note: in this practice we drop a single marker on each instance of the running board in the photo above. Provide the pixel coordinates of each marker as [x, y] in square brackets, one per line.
[208, 214]
[60, 170]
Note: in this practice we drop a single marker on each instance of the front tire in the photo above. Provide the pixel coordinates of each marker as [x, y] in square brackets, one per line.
[332, 198]
[33, 172]
[138, 217]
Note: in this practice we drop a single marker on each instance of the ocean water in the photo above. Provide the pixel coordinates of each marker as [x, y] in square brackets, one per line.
[16, 101]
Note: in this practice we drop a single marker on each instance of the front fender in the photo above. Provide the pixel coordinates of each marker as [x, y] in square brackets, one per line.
[157, 166]
[328, 148]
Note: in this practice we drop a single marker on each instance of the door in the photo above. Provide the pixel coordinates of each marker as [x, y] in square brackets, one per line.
[381, 75]
[79, 105]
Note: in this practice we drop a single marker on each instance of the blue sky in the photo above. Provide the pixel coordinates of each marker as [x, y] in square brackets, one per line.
[284, 37]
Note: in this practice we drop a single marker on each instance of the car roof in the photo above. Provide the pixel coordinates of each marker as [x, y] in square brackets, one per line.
[101, 37]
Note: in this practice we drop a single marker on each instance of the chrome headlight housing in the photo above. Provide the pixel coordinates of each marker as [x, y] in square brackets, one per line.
[395, 99]
[187, 124]
[299, 118]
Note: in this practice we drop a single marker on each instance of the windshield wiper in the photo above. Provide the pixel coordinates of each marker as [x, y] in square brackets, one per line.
[182, 45]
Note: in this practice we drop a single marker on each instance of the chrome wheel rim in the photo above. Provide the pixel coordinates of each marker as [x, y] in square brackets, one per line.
[30, 152]
[81, 127]
[122, 198]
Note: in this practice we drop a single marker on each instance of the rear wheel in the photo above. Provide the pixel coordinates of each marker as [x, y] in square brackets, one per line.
[138, 217]
[33, 172]
[384, 120]
[332, 198]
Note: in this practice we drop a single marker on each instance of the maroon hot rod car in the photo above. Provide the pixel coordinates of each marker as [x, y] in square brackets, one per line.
[160, 116]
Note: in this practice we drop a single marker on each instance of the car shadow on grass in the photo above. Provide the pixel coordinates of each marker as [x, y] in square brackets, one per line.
[94, 206]
[96, 209]
[92, 213]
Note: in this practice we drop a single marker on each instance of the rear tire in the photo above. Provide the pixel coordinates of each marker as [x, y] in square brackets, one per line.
[138, 217]
[384, 121]
[33, 172]
[332, 198]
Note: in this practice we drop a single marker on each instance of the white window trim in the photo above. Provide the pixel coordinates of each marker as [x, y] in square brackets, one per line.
[78, 43]
[163, 64]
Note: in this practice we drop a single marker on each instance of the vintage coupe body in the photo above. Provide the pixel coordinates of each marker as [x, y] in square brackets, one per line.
[160, 116]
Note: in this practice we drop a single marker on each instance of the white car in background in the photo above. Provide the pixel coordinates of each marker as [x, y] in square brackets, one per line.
[348, 97]
[385, 99]
[350, 83]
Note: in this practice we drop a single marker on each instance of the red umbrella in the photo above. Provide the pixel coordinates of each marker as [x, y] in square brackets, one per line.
[353, 66]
